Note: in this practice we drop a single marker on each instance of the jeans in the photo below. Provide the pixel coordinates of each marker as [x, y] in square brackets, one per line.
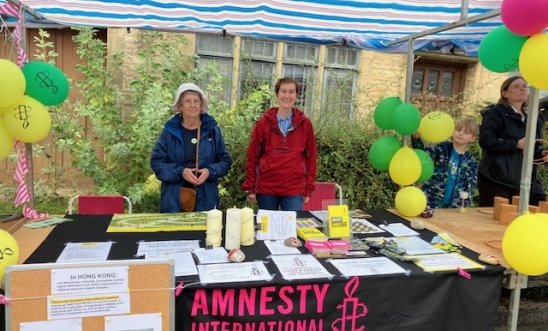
[280, 202]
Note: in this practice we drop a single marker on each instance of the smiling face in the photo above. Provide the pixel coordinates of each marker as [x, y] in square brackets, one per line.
[190, 104]
[516, 92]
[463, 137]
[287, 95]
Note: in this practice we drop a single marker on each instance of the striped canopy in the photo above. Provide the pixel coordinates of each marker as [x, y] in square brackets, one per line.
[365, 24]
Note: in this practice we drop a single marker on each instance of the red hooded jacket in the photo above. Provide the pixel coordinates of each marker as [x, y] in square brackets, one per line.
[278, 165]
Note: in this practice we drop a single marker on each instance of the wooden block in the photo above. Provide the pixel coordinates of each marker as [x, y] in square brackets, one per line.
[496, 206]
[543, 206]
[507, 213]
[515, 200]
[507, 218]
[534, 209]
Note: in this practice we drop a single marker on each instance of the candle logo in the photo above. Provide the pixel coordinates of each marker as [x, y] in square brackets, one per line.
[351, 308]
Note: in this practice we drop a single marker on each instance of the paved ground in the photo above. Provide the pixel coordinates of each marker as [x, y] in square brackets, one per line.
[533, 314]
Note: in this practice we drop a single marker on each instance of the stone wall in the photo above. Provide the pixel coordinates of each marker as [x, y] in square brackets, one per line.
[380, 74]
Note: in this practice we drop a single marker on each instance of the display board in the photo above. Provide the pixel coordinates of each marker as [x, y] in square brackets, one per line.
[146, 285]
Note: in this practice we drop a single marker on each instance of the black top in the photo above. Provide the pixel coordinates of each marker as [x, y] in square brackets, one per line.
[190, 141]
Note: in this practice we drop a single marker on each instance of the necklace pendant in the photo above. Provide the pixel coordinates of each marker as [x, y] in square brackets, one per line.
[194, 141]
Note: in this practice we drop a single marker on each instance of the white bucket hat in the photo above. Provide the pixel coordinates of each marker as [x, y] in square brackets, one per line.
[189, 87]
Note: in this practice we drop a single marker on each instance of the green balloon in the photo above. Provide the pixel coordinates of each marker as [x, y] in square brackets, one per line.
[46, 83]
[406, 119]
[499, 50]
[382, 151]
[383, 112]
[427, 165]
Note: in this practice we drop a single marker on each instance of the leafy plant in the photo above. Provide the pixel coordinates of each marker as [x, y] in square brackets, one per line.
[115, 150]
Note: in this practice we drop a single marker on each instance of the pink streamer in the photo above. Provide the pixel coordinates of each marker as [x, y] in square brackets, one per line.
[22, 195]
[21, 169]
[11, 10]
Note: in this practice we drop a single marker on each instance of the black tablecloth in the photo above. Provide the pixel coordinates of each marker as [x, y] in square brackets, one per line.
[414, 301]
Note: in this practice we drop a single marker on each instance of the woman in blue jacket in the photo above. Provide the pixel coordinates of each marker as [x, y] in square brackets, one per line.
[173, 158]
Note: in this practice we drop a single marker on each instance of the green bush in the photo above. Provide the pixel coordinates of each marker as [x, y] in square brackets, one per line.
[126, 123]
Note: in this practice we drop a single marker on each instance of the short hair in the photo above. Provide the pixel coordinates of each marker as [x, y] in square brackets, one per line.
[469, 124]
[286, 80]
[504, 87]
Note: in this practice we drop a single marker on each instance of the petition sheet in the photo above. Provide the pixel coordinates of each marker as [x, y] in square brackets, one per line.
[300, 267]
[85, 252]
[233, 272]
[367, 267]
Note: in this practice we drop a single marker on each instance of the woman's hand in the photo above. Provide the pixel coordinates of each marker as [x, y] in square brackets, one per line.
[251, 197]
[521, 144]
[306, 199]
[544, 158]
[189, 176]
[203, 175]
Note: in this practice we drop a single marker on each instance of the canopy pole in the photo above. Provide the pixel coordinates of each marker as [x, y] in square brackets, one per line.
[463, 9]
[29, 178]
[409, 72]
[446, 27]
[529, 151]
[406, 140]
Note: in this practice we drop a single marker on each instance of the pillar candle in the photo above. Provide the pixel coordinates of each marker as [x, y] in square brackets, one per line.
[214, 227]
[247, 234]
[233, 228]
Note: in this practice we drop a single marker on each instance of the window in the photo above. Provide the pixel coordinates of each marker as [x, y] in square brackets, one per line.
[300, 63]
[214, 65]
[339, 91]
[437, 85]
[257, 65]
[340, 80]
[342, 57]
[303, 54]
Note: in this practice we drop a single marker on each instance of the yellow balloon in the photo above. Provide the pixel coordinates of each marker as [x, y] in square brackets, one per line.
[533, 62]
[12, 83]
[524, 244]
[9, 251]
[436, 126]
[410, 201]
[405, 167]
[28, 120]
[6, 140]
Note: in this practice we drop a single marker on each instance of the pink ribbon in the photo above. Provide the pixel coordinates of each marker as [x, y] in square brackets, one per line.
[22, 195]
[21, 169]
[10, 9]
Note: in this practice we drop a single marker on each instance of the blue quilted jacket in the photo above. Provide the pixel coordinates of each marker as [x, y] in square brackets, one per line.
[167, 162]
[434, 188]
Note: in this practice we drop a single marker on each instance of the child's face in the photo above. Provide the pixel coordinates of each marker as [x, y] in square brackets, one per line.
[461, 136]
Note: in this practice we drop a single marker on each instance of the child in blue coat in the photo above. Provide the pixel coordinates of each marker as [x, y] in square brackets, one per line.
[455, 169]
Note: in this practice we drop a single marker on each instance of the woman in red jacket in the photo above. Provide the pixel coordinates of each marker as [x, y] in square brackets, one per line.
[281, 157]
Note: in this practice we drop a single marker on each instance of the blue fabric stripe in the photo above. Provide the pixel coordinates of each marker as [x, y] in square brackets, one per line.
[292, 21]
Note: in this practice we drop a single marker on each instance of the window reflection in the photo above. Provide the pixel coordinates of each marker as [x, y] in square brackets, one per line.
[447, 84]
[417, 80]
[433, 77]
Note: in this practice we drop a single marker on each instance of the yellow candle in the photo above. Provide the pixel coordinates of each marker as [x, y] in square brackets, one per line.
[247, 234]
[233, 226]
[214, 227]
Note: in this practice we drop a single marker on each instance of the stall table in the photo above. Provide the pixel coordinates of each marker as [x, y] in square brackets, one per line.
[416, 300]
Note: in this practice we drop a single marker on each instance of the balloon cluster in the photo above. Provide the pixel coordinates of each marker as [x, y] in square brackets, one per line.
[9, 252]
[24, 116]
[524, 244]
[406, 165]
[519, 44]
